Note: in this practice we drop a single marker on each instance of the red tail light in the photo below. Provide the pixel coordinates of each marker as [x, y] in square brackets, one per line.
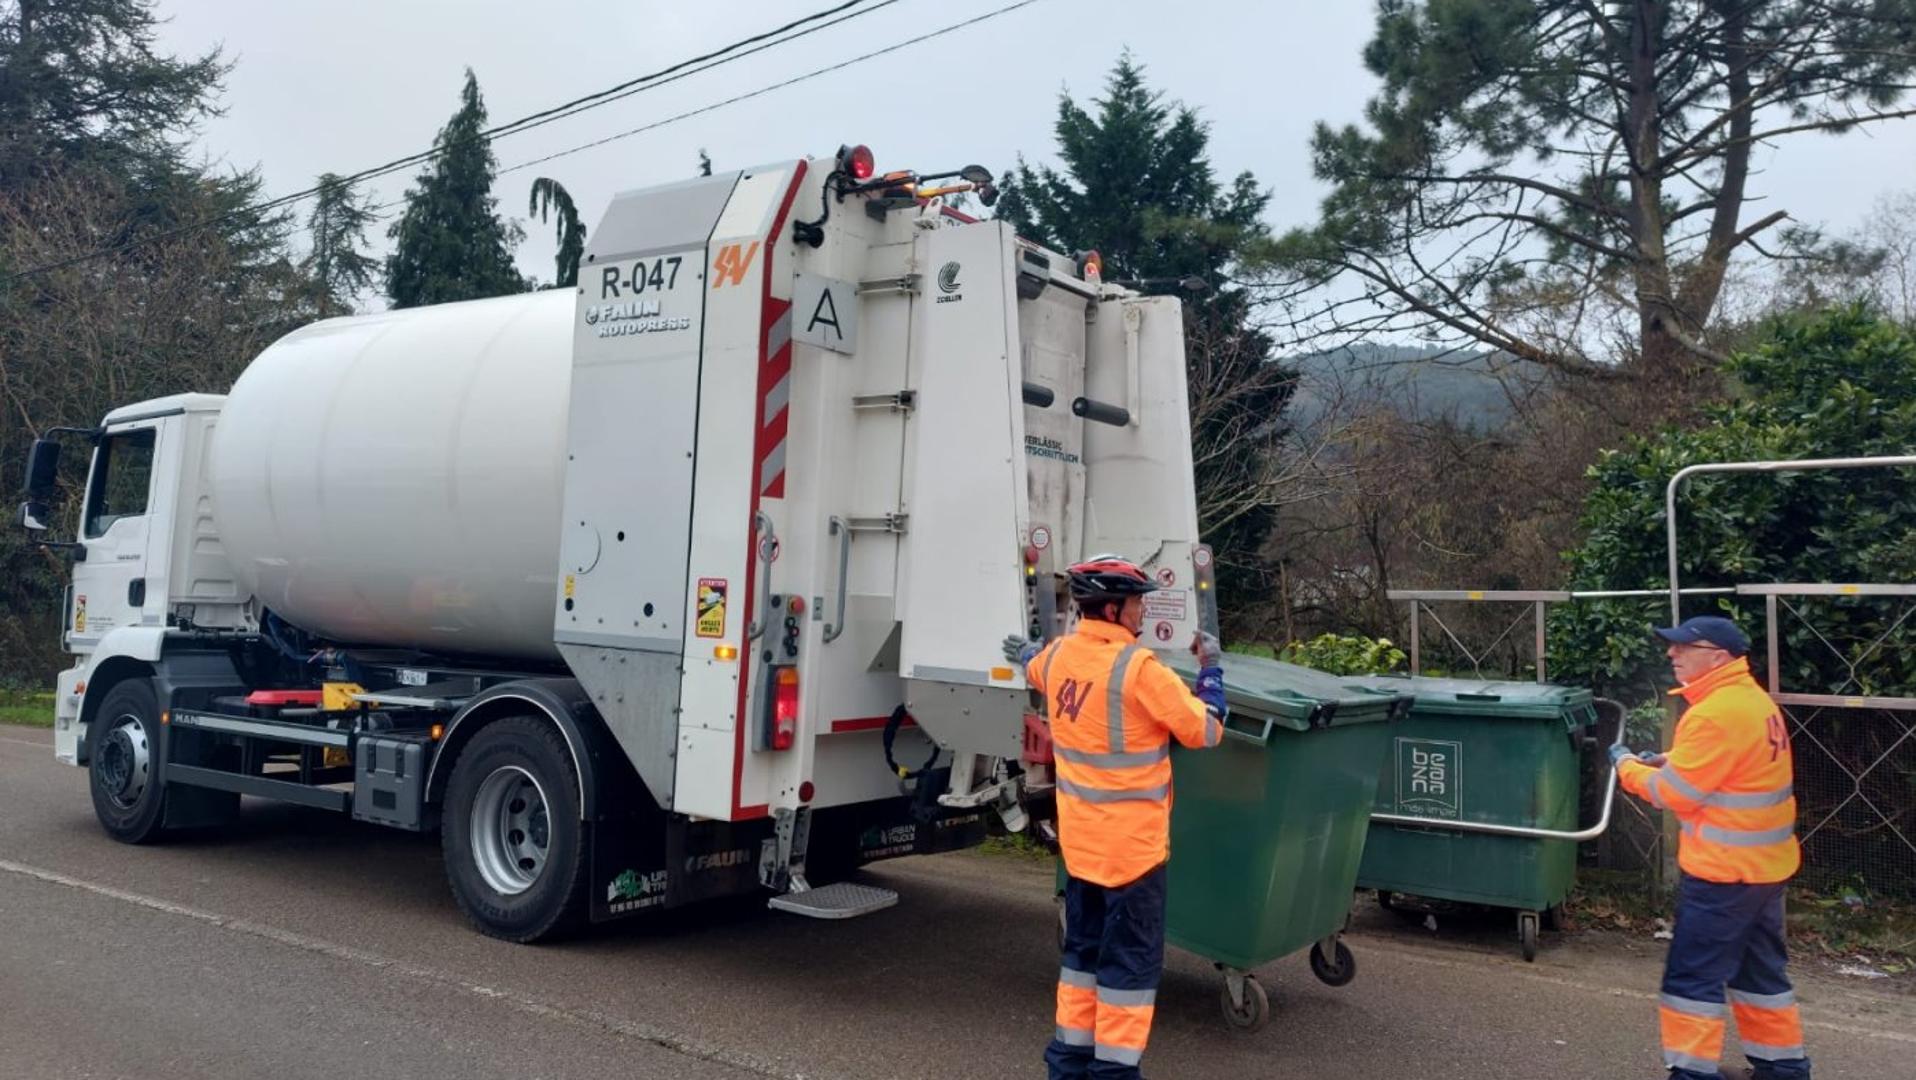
[784, 708]
[857, 161]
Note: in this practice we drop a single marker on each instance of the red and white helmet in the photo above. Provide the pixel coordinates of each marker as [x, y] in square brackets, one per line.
[1108, 578]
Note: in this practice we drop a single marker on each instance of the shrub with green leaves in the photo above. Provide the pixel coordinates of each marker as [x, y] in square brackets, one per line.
[1840, 383]
[1342, 654]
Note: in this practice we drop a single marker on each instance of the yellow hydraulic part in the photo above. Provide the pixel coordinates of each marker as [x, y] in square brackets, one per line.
[338, 697]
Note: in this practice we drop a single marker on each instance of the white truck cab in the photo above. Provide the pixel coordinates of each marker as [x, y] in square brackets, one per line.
[147, 554]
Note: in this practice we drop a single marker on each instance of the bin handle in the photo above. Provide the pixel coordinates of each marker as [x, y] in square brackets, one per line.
[1255, 738]
[1591, 833]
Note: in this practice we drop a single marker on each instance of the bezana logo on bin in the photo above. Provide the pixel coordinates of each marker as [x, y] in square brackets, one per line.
[1429, 778]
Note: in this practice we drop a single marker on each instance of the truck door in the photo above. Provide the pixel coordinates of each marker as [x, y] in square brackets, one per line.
[109, 585]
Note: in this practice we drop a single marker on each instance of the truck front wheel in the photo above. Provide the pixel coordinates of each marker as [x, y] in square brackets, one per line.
[513, 842]
[123, 767]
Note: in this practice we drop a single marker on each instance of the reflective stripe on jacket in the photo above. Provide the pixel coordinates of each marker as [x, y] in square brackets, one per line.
[1114, 708]
[1728, 780]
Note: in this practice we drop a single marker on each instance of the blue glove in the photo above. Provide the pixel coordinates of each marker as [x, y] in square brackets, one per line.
[1654, 760]
[1019, 650]
[1210, 690]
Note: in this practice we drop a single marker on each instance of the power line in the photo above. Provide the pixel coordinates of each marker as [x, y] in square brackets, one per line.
[632, 86]
[953, 28]
[682, 70]
[761, 91]
[737, 50]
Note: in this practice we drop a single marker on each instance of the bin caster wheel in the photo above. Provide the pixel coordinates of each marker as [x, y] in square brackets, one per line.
[1527, 934]
[1394, 904]
[1336, 969]
[1255, 1011]
[1553, 918]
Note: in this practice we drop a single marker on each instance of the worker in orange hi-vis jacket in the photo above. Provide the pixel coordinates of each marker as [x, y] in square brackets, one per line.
[1728, 778]
[1114, 708]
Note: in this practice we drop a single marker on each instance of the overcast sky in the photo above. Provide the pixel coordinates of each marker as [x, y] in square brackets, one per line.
[342, 85]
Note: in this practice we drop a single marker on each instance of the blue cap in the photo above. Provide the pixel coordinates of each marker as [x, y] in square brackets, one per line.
[1708, 630]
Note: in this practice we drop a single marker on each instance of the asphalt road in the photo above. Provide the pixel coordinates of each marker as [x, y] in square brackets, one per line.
[302, 945]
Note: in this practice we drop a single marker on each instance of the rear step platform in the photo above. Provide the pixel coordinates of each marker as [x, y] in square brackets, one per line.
[844, 900]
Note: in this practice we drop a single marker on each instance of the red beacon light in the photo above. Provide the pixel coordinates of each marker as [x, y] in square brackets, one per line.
[857, 162]
[1091, 266]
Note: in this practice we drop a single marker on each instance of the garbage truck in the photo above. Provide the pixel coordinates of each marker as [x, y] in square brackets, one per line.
[686, 581]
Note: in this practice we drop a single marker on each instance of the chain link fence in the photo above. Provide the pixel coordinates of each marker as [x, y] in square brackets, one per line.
[1851, 710]
[1846, 690]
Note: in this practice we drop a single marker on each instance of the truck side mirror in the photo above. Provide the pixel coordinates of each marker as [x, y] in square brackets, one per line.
[43, 465]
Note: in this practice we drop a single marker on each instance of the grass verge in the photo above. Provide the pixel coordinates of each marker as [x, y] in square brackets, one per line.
[1877, 932]
[29, 707]
[1841, 924]
[1014, 846]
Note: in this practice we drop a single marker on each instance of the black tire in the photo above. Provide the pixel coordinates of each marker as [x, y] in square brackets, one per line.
[1553, 919]
[1256, 1011]
[1336, 970]
[552, 902]
[1527, 935]
[123, 763]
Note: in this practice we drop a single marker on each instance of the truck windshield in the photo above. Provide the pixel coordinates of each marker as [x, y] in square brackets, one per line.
[122, 470]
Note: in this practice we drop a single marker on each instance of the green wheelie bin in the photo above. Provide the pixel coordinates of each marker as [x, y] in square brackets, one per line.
[1267, 829]
[1478, 801]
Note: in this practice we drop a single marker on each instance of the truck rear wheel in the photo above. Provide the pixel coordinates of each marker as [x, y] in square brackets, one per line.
[513, 842]
[123, 767]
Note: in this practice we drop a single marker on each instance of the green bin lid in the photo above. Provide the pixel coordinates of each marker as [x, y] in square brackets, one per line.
[1294, 697]
[1573, 706]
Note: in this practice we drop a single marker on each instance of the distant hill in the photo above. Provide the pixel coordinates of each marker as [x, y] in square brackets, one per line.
[1472, 389]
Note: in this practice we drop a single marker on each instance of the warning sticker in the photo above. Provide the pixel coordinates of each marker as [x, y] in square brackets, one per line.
[711, 616]
[1164, 631]
[1166, 604]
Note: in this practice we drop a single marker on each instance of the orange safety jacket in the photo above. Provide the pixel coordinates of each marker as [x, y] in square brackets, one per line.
[1729, 780]
[1114, 708]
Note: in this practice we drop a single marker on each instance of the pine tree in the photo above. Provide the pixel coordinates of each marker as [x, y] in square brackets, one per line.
[82, 87]
[1137, 186]
[1548, 177]
[337, 264]
[130, 268]
[550, 199]
[451, 244]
